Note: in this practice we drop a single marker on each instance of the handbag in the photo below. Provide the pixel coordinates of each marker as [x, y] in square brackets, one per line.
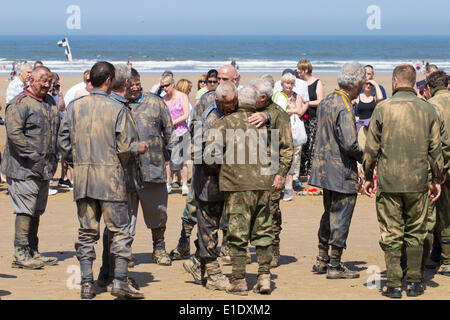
[299, 136]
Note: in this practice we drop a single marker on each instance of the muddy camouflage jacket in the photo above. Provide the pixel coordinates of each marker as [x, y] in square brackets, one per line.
[404, 137]
[441, 100]
[206, 101]
[99, 137]
[155, 127]
[245, 174]
[279, 119]
[32, 125]
[336, 146]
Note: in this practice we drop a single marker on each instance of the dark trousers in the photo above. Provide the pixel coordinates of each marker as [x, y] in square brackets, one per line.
[336, 219]
[208, 219]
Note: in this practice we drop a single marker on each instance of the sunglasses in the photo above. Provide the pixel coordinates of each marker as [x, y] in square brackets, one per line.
[201, 81]
[213, 81]
[165, 85]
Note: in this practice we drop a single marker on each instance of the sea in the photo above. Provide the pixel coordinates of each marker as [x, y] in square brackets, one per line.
[200, 53]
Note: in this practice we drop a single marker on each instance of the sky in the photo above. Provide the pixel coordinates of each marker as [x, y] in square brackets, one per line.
[225, 17]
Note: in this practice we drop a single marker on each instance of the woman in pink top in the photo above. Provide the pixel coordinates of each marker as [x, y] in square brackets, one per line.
[178, 104]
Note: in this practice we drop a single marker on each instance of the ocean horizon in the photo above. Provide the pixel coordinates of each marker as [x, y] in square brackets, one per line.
[200, 53]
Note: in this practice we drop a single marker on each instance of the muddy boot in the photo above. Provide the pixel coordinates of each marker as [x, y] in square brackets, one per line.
[87, 290]
[193, 267]
[321, 265]
[238, 287]
[216, 279]
[183, 249]
[34, 243]
[263, 284]
[392, 292]
[444, 269]
[48, 261]
[121, 288]
[275, 257]
[336, 270]
[23, 259]
[160, 255]
[414, 289]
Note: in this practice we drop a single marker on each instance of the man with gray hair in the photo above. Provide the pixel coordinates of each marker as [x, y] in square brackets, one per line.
[16, 86]
[207, 195]
[334, 168]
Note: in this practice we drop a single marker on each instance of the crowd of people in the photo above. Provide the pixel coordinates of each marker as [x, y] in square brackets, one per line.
[121, 146]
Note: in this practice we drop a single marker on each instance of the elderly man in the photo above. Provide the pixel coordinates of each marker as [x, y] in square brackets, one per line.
[16, 86]
[279, 120]
[421, 85]
[207, 194]
[436, 88]
[403, 159]
[226, 72]
[101, 146]
[334, 169]
[29, 163]
[246, 184]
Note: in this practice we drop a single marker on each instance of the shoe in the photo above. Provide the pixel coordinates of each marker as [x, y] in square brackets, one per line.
[414, 289]
[238, 287]
[192, 266]
[169, 188]
[161, 257]
[184, 190]
[444, 269]
[176, 184]
[218, 282]
[24, 260]
[103, 285]
[124, 289]
[321, 265]
[87, 290]
[48, 261]
[275, 257]
[182, 250]
[65, 183]
[341, 272]
[52, 191]
[263, 284]
[288, 194]
[392, 292]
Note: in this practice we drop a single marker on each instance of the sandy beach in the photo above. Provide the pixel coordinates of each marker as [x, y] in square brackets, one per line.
[292, 280]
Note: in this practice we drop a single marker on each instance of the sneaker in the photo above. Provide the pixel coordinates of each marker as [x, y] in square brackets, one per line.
[184, 190]
[161, 257]
[87, 290]
[52, 191]
[169, 188]
[341, 272]
[124, 289]
[238, 287]
[65, 183]
[263, 284]
[176, 184]
[288, 194]
[192, 266]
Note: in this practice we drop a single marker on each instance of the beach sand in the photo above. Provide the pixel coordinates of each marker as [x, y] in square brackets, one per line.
[292, 280]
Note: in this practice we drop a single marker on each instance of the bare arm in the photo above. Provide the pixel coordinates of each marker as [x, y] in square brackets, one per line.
[320, 92]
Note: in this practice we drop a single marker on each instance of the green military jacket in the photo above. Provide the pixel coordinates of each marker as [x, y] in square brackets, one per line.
[336, 146]
[279, 120]
[241, 164]
[404, 138]
[32, 125]
[99, 137]
[441, 100]
[155, 127]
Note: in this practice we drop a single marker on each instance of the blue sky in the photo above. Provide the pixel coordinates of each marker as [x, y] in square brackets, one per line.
[289, 17]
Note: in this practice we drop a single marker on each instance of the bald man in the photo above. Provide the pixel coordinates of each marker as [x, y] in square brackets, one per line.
[29, 163]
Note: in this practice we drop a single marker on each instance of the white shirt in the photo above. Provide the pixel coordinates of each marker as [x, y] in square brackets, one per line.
[300, 88]
[14, 88]
[70, 94]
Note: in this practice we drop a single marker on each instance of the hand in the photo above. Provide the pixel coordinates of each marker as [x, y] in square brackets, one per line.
[142, 147]
[434, 191]
[368, 189]
[278, 182]
[257, 119]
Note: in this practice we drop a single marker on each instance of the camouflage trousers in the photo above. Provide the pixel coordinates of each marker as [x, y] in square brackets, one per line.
[117, 221]
[308, 147]
[249, 219]
[443, 220]
[335, 222]
[403, 219]
[208, 217]
[275, 211]
[190, 210]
